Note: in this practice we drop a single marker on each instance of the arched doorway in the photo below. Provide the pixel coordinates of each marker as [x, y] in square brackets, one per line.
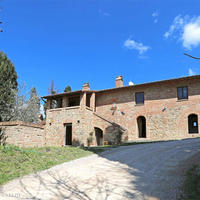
[193, 123]
[141, 123]
[98, 136]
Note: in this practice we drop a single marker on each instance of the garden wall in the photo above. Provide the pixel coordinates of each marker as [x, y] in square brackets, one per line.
[24, 134]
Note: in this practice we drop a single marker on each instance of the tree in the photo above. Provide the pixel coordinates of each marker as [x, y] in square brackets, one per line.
[8, 87]
[27, 105]
[51, 91]
[33, 107]
[68, 89]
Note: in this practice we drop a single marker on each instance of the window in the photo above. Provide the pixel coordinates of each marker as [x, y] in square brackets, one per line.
[182, 93]
[139, 98]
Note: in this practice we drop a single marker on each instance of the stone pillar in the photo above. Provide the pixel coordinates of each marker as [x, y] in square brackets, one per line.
[83, 100]
[65, 101]
[49, 104]
[92, 102]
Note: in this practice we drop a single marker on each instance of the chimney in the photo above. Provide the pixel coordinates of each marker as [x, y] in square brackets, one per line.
[119, 81]
[86, 87]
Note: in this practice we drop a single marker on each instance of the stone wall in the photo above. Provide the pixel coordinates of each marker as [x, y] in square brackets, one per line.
[56, 121]
[24, 134]
[166, 117]
[83, 120]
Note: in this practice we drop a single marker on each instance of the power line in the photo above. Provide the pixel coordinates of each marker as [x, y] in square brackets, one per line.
[191, 56]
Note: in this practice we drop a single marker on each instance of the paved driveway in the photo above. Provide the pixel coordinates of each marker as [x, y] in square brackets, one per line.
[145, 171]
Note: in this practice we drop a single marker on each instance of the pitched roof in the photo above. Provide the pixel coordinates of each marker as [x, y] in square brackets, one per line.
[153, 83]
[129, 86]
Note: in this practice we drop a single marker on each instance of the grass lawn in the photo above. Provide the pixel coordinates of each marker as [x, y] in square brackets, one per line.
[16, 162]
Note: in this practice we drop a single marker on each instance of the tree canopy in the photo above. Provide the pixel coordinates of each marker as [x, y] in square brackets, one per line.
[33, 107]
[8, 87]
[68, 89]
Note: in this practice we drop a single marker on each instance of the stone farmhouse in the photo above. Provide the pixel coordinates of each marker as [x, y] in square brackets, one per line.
[161, 110]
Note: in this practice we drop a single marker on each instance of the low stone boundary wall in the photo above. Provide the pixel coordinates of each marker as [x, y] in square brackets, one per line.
[24, 134]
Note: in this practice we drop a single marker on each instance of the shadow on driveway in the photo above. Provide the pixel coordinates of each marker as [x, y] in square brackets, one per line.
[146, 171]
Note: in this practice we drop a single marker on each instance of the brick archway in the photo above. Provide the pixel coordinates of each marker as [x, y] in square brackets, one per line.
[193, 123]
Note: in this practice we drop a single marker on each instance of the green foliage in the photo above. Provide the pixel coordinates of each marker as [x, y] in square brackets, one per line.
[52, 89]
[8, 87]
[191, 187]
[68, 89]
[27, 106]
[16, 162]
[33, 107]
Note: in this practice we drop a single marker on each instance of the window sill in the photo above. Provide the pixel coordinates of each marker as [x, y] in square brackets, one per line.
[180, 100]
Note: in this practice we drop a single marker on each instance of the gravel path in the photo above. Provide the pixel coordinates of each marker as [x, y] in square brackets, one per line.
[146, 171]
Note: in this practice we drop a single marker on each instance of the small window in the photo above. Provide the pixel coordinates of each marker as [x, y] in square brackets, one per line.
[182, 93]
[139, 98]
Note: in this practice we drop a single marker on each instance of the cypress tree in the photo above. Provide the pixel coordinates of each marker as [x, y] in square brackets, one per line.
[33, 107]
[8, 87]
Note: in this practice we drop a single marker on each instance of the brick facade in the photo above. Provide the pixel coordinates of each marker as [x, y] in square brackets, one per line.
[115, 112]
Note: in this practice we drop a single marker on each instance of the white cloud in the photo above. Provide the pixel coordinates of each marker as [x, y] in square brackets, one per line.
[155, 17]
[186, 29]
[191, 34]
[104, 13]
[131, 44]
[191, 72]
[177, 25]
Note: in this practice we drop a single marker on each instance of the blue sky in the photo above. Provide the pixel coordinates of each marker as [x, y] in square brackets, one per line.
[77, 41]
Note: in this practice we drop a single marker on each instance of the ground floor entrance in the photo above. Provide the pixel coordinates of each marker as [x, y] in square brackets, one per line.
[141, 123]
[99, 136]
[68, 134]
